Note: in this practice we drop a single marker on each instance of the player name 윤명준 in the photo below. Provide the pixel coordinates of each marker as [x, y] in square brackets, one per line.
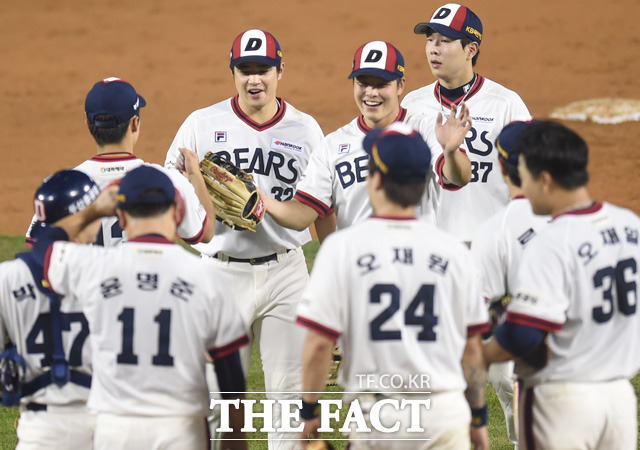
[330, 411]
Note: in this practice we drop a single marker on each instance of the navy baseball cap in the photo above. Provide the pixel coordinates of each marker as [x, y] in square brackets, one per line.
[255, 45]
[112, 96]
[378, 58]
[453, 21]
[145, 185]
[506, 140]
[399, 152]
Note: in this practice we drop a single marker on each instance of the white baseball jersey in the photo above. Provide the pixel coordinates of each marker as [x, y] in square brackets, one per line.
[275, 153]
[106, 168]
[338, 170]
[498, 244]
[25, 320]
[497, 249]
[492, 107]
[404, 306]
[578, 280]
[153, 309]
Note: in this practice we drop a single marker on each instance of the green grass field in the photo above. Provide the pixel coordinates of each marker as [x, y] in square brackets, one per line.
[10, 245]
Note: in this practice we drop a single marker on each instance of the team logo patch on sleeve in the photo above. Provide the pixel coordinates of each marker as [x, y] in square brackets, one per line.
[221, 136]
[344, 148]
[278, 144]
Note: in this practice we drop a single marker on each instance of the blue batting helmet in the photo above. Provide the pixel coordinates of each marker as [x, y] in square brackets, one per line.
[61, 194]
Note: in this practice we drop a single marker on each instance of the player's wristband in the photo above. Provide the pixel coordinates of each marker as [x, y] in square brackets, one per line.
[309, 411]
[479, 416]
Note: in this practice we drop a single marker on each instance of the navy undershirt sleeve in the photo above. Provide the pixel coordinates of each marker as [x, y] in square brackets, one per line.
[44, 240]
[519, 340]
[230, 375]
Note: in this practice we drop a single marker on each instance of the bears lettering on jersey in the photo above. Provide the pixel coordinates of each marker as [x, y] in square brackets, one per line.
[348, 173]
[278, 164]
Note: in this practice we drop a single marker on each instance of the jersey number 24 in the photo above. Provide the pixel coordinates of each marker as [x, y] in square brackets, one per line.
[418, 313]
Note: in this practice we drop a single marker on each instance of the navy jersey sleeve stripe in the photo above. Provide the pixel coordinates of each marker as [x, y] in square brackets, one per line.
[312, 202]
[321, 329]
[533, 322]
[225, 350]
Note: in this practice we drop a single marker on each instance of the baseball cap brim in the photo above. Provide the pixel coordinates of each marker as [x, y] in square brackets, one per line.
[423, 28]
[387, 76]
[259, 59]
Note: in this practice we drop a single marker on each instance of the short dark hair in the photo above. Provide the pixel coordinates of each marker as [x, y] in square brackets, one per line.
[404, 194]
[512, 172]
[550, 146]
[464, 42]
[144, 210]
[105, 136]
[265, 66]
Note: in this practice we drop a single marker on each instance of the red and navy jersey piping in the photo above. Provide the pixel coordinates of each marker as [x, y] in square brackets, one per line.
[312, 202]
[439, 169]
[315, 326]
[472, 91]
[362, 126]
[112, 157]
[151, 238]
[594, 207]
[477, 328]
[252, 123]
[226, 350]
[373, 216]
[533, 322]
[198, 237]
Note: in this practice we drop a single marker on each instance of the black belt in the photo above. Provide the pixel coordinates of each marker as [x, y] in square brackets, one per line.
[252, 261]
[35, 407]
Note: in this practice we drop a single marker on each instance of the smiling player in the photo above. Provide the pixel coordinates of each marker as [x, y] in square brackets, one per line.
[338, 169]
[270, 139]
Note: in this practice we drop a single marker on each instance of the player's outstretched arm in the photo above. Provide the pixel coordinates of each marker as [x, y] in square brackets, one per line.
[291, 214]
[316, 361]
[188, 164]
[325, 226]
[494, 352]
[457, 167]
[232, 385]
[475, 373]
[103, 206]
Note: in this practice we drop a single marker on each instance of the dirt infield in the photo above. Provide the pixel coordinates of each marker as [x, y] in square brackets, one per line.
[176, 55]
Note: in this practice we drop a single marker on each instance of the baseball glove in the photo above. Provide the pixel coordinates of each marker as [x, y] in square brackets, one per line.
[233, 193]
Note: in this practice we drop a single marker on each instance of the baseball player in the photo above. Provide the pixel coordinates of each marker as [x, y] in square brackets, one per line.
[408, 305]
[335, 177]
[48, 371]
[112, 109]
[497, 248]
[454, 35]
[270, 139]
[573, 317]
[154, 310]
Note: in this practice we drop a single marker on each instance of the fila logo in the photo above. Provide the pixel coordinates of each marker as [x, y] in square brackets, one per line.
[344, 148]
[373, 56]
[221, 136]
[253, 44]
